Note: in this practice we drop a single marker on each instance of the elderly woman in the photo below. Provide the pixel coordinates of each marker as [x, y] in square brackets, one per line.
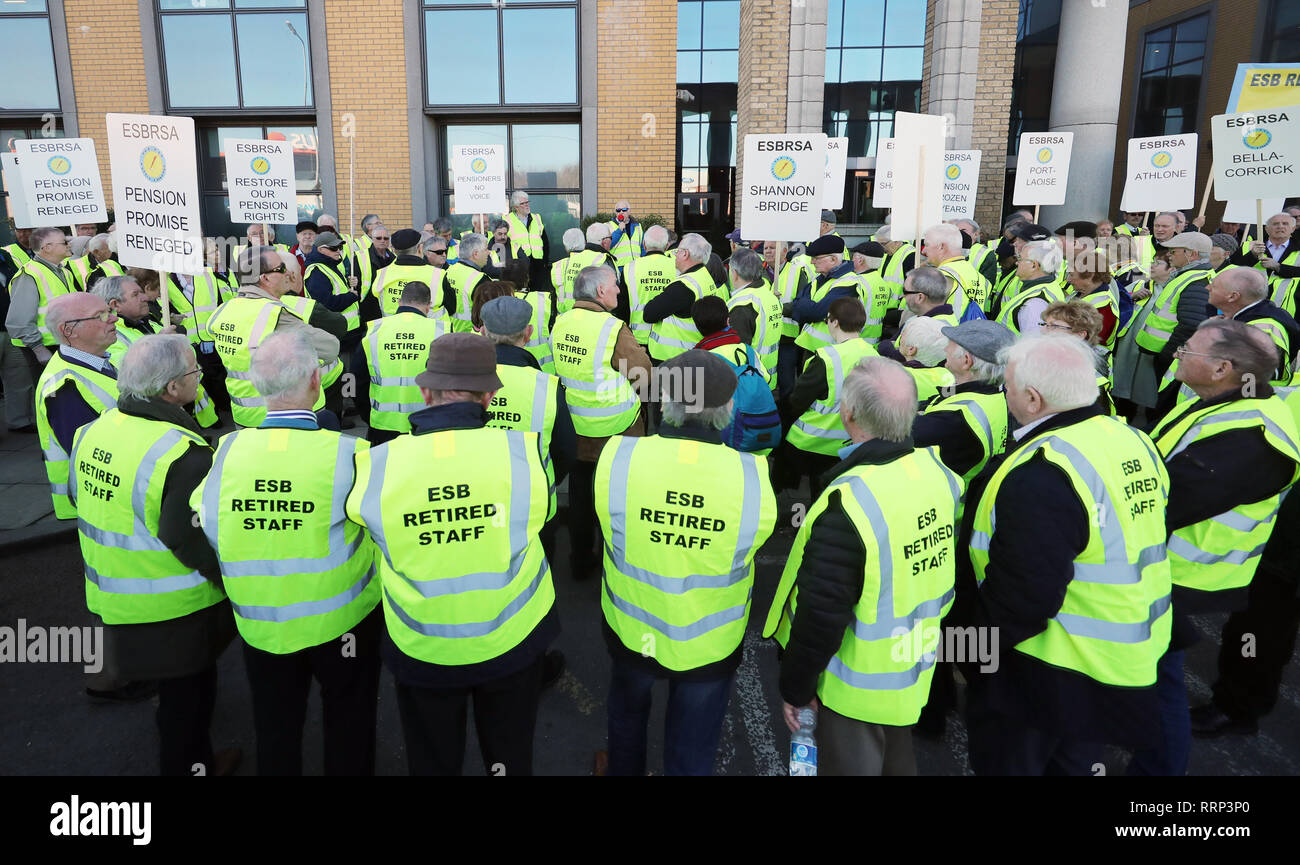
[1081, 319]
[1092, 285]
[1133, 374]
[151, 576]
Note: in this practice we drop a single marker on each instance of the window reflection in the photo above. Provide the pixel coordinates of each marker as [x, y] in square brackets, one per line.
[708, 34]
[462, 55]
[1169, 89]
[540, 50]
[27, 79]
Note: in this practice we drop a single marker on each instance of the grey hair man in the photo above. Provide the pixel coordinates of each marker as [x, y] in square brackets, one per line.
[1241, 294]
[656, 238]
[669, 313]
[1037, 265]
[30, 291]
[754, 311]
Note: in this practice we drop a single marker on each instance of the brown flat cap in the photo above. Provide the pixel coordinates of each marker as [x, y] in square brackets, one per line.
[461, 361]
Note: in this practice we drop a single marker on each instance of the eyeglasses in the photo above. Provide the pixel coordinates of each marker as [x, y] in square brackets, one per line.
[194, 371]
[104, 317]
[281, 269]
[1064, 327]
[622, 209]
[1182, 351]
[379, 237]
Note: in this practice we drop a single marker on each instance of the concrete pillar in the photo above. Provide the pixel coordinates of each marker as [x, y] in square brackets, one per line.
[807, 67]
[761, 88]
[953, 51]
[1085, 101]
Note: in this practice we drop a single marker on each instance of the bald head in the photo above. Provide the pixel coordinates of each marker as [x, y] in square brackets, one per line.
[879, 401]
[1235, 289]
[70, 318]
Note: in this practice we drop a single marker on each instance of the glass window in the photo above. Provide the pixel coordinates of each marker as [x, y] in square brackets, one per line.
[27, 79]
[478, 52]
[1169, 88]
[708, 67]
[542, 158]
[1282, 32]
[212, 175]
[216, 57]
[1031, 84]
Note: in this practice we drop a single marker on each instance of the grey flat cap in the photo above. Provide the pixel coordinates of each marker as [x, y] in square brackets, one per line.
[1193, 240]
[981, 337]
[506, 315]
[329, 240]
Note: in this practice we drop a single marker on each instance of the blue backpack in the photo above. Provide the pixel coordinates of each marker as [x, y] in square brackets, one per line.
[755, 424]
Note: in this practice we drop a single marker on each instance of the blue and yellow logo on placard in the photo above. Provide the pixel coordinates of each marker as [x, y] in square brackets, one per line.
[59, 165]
[1257, 138]
[1161, 159]
[260, 165]
[479, 165]
[953, 172]
[152, 164]
[1044, 154]
[783, 168]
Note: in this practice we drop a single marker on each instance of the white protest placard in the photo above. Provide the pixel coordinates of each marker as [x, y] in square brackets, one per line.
[1043, 170]
[961, 181]
[1256, 154]
[918, 174]
[260, 181]
[882, 193]
[782, 197]
[155, 192]
[479, 175]
[1161, 174]
[1243, 209]
[13, 180]
[837, 162]
[61, 179]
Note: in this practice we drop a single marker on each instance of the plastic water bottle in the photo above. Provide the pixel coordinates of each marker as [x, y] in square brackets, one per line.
[803, 747]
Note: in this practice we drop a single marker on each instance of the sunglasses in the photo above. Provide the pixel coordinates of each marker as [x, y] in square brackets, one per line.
[280, 269]
[622, 209]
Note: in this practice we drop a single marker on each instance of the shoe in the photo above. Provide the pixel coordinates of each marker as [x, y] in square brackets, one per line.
[225, 762]
[552, 668]
[1213, 724]
[30, 428]
[131, 692]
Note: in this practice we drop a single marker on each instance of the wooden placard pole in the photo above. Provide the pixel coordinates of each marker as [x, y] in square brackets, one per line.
[780, 261]
[920, 195]
[1035, 214]
[1259, 222]
[352, 201]
[164, 300]
[1205, 196]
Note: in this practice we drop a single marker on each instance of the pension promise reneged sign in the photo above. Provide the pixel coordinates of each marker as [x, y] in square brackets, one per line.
[60, 180]
[783, 186]
[155, 192]
[1256, 153]
[260, 181]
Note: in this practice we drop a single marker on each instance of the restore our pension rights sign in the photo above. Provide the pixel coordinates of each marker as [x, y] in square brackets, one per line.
[782, 197]
[155, 192]
[260, 180]
[60, 180]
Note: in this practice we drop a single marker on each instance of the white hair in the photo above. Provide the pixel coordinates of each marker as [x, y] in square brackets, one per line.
[151, 362]
[925, 334]
[987, 371]
[882, 234]
[880, 396]
[100, 241]
[1046, 252]
[517, 197]
[573, 240]
[678, 413]
[470, 245]
[596, 232]
[932, 282]
[655, 238]
[1061, 368]
[283, 364]
[948, 235]
[590, 279]
[873, 262]
[112, 288]
[697, 247]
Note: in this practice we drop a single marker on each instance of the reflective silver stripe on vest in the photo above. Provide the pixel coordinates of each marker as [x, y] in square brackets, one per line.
[400, 407]
[601, 377]
[817, 432]
[681, 633]
[541, 387]
[1217, 419]
[239, 374]
[472, 629]
[144, 585]
[657, 335]
[895, 681]
[1241, 523]
[977, 410]
[1114, 632]
[1180, 546]
[302, 609]
[55, 382]
[619, 472]
[248, 401]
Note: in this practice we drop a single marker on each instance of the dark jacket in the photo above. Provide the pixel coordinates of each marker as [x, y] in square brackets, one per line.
[1284, 271]
[676, 299]
[829, 580]
[319, 287]
[960, 448]
[805, 311]
[67, 411]
[415, 673]
[192, 643]
[564, 439]
[1042, 527]
[1268, 309]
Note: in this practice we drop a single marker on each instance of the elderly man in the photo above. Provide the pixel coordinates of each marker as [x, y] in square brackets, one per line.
[1131, 225]
[942, 249]
[857, 546]
[1278, 254]
[528, 235]
[1241, 294]
[389, 358]
[923, 348]
[1081, 603]
[1009, 283]
[601, 365]
[306, 232]
[565, 271]
[794, 278]
[900, 259]
[98, 248]
[462, 276]
[671, 329]
[598, 244]
[626, 235]
[877, 294]
[815, 433]
[151, 576]
[300, 579]
[410, 266]
[1163, 227]
[1181, 304]
[982, 256]
[468, 595]
[240, 324]
[754, 312]
[1038, 265]
[683, 518]
[328, 280]
[925, 293]
[646, 275]
[968, 422]
[433, 248]
[37, 283]
[835, 279]
[194, 298]
[1231, 455]
[827, 229]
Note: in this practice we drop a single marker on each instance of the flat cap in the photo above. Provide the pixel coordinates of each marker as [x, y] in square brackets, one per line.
[1079, 228]
[1031, 231]
[306, 225]
[1226, 242]
[506, 315]
[734, 236]
[461, 361]
[1193, 240]
[405, 238]
[698, 378]
[870, 249]
[829, 216]
[827, 244]
[328, 240]
[981, 337]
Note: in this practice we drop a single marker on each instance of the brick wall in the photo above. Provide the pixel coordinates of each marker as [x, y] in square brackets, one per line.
[764, 68]
[636, 126]
[104, 47]
[362, 82]
[997, 60]
[1232, 32]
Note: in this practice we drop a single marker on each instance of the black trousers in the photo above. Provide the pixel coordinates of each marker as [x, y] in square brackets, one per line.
[213, 376]
[505, 718]
[184, 717]
[348, 672]
[1001, 744]
[582, 515]
[1247, 686]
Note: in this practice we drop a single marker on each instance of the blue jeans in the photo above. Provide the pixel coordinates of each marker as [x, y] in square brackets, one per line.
[691, 730]
[1170, 757]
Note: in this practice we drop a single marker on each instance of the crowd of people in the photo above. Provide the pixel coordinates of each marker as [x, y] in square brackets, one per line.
[1060, 443]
